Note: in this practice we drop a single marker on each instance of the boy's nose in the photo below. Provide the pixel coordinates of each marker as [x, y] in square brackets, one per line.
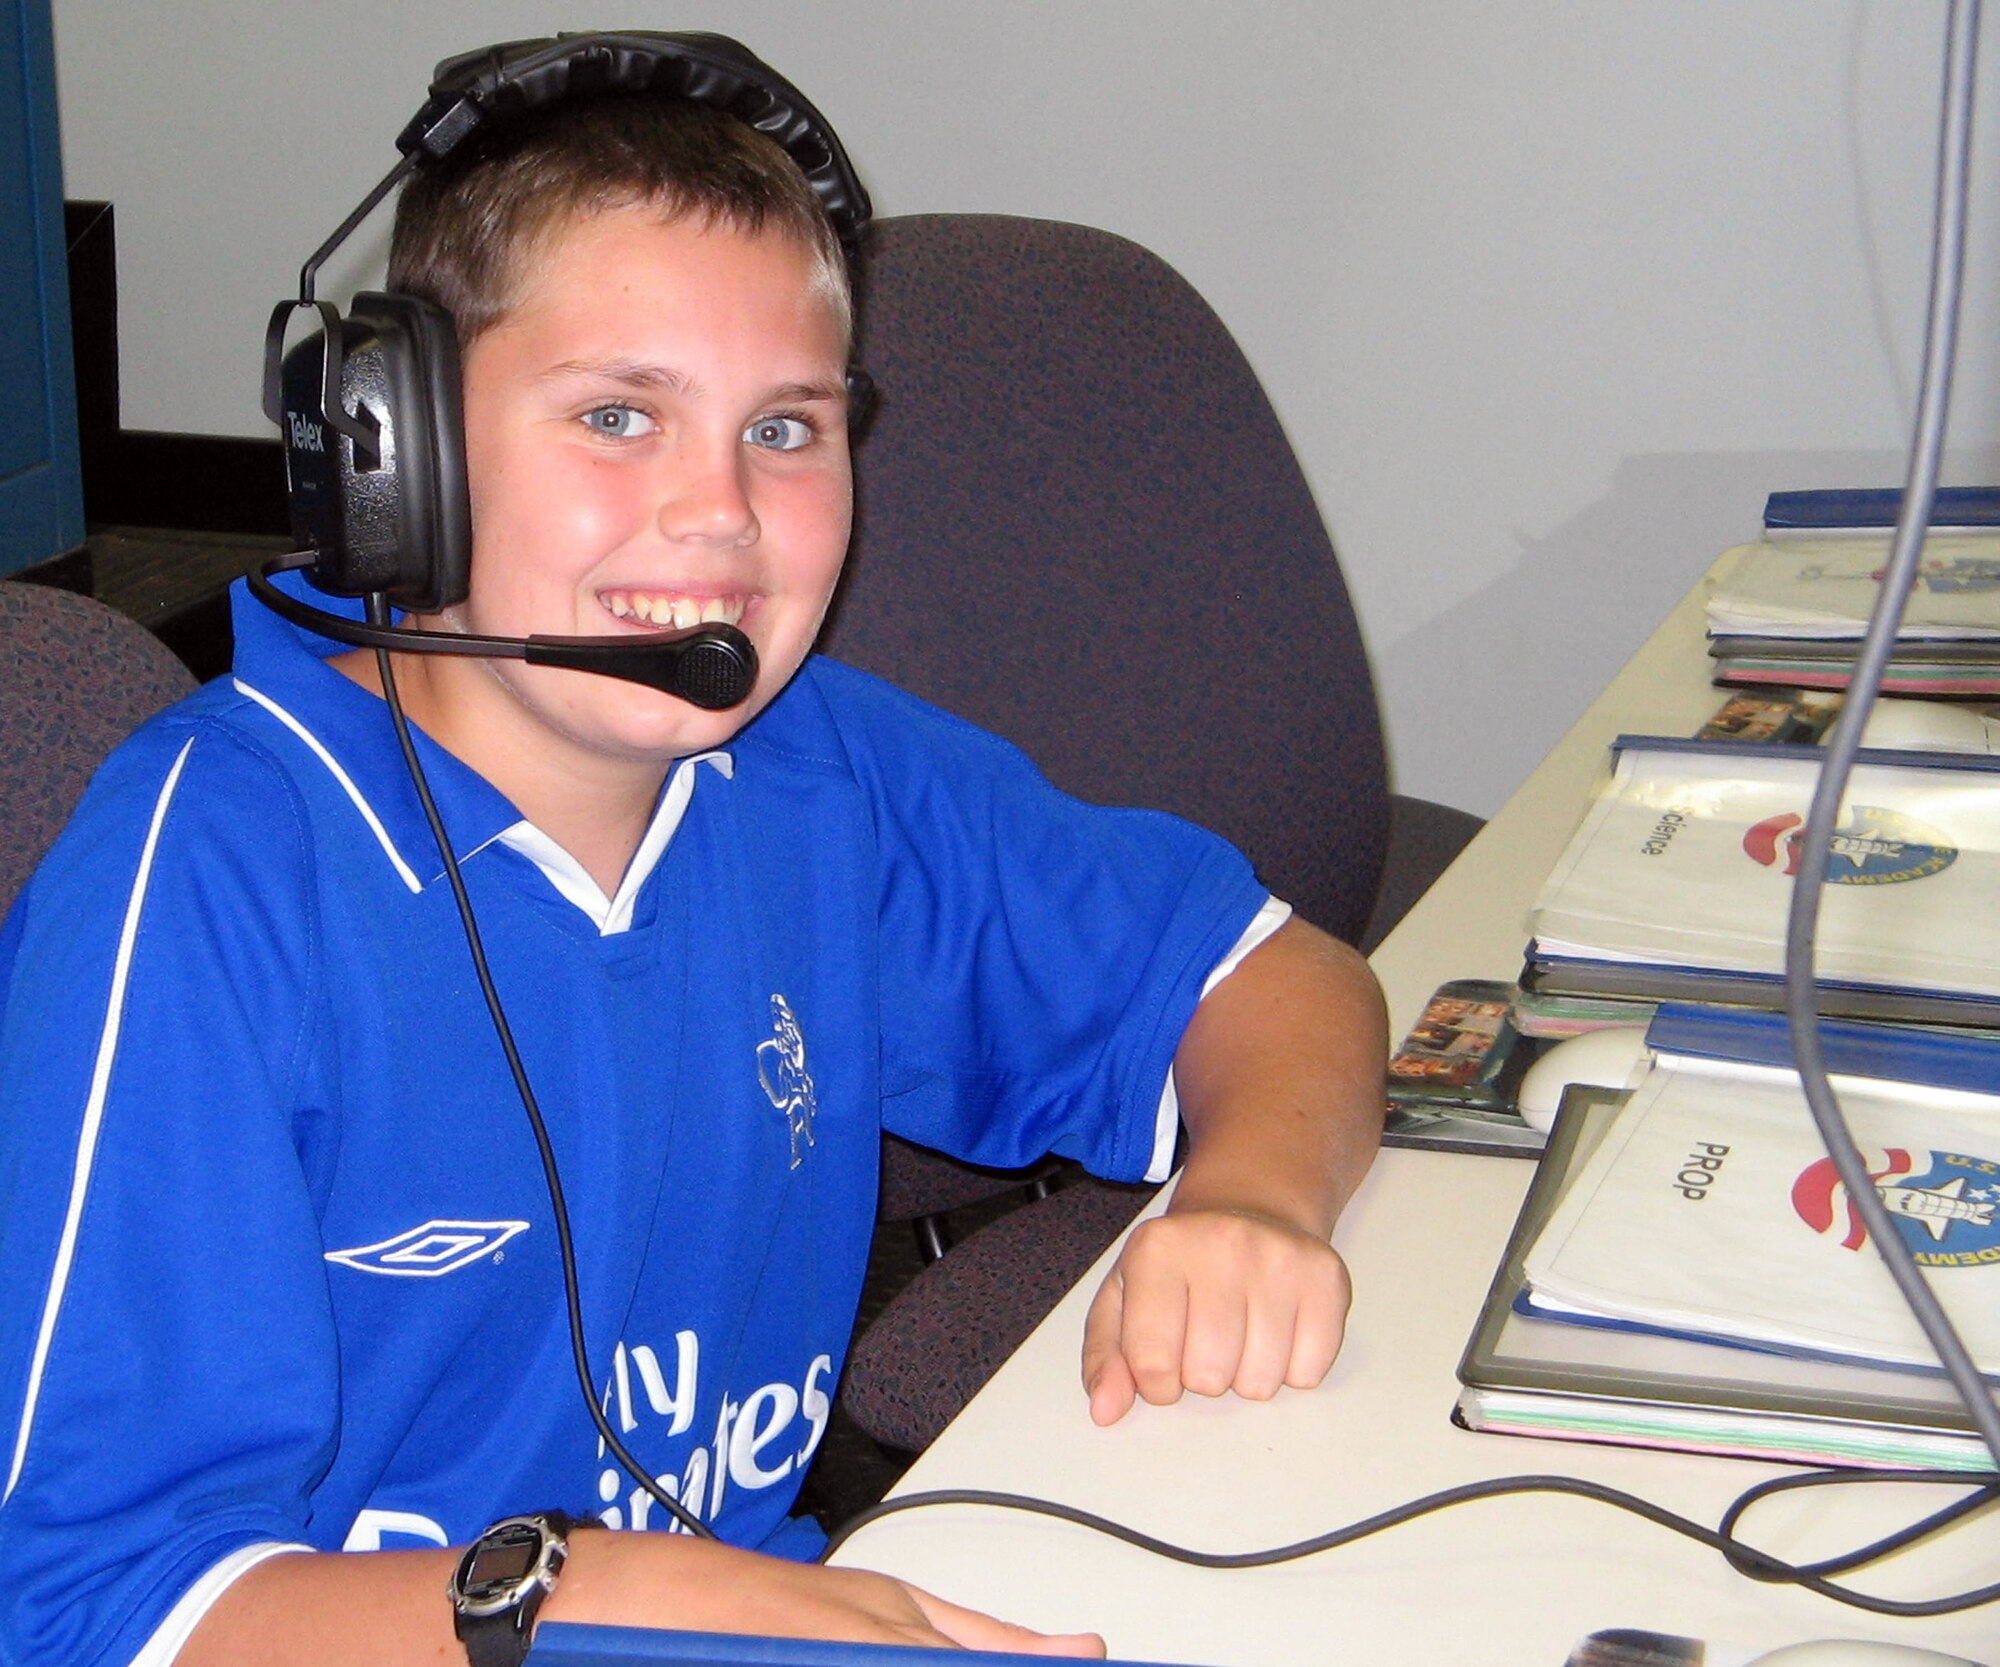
[706, 501]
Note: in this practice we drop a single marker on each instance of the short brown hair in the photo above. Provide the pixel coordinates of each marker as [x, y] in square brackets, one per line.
[466, 226]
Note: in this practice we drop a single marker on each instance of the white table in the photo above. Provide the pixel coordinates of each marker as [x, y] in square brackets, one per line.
[1514, 1581]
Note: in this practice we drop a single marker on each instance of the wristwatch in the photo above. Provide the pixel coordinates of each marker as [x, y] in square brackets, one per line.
[500, 1583]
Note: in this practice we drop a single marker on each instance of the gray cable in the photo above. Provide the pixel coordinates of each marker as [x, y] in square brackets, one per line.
[1927, 445]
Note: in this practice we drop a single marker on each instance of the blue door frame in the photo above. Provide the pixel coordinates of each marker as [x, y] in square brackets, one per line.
[41, 475]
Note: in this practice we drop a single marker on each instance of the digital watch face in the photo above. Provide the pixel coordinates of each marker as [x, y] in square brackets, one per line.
[494, 1571]
[501, 1565]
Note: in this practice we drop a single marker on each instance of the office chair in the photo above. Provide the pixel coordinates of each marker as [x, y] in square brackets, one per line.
[75, 680]
[1079, 524]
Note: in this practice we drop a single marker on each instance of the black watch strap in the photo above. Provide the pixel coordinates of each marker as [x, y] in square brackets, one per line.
[496, 1640]
[501, 1637]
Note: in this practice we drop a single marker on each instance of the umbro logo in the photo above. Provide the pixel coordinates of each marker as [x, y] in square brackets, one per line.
[429, 1251]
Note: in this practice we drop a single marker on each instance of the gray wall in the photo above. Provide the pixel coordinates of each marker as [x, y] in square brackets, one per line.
[1548, 293]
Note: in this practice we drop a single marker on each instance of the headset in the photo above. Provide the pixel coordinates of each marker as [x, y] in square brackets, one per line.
[369, 410]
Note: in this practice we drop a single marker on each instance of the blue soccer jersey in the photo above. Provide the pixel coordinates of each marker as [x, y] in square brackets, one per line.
[279, 1267]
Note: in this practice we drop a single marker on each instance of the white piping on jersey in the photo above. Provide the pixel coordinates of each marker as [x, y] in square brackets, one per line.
[613, 915]
[346, 782]
[1262, 924]
[93, 1119]
[171, 1634]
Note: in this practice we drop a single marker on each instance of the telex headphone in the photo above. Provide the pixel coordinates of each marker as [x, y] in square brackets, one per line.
[369, 407]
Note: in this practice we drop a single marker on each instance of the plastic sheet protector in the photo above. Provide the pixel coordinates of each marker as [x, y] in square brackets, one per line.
[1686, 858]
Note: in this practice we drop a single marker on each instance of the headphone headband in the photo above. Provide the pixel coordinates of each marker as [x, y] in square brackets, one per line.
[517, 78]
[369, 409]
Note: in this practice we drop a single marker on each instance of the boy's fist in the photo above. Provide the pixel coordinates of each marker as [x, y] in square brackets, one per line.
[1213, 1300]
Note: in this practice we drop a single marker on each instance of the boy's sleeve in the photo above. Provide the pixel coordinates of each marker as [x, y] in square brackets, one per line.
[1040, 956]
[168, 1385]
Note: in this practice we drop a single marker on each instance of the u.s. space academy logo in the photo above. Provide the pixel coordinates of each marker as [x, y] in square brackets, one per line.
[1877, 847]
[1943, 1204]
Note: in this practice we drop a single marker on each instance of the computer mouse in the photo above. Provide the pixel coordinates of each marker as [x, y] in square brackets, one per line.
[1927, 726]
[1856, 1652]
[1599, 1058]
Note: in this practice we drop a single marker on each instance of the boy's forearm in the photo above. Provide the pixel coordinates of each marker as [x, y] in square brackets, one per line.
[1280, 1082]
[389, 1609]
[382, 1607]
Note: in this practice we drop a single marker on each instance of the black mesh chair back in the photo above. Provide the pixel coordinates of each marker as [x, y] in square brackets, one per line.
[75, 680]
[1080, 525]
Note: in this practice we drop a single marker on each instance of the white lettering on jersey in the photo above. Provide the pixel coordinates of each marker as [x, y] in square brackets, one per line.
[768, 1435]
[762, 1419]
[370, 1525]
[771, 1433]
[680, 1403]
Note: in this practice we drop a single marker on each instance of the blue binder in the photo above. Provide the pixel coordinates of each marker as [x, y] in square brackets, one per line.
[1847, 510]
[567, 1644]
[1896, 1053]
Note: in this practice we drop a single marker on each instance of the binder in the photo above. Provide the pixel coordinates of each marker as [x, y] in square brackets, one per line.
[1828, 587]
[1976, 655]
[1953, 680]
[1875, 509]
[1550, 977]
[1677, 883]
[1524, 1375]
[1935, 1058]
[1710, 1210]
[576, 1644]
[1790, 609]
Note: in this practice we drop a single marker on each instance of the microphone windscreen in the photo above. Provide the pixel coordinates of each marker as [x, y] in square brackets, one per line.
[715, 673]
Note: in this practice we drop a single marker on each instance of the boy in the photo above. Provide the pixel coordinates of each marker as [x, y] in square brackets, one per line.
[280, 1278]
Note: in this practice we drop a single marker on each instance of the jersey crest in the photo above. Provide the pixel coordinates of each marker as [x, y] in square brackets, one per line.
[788, 1085]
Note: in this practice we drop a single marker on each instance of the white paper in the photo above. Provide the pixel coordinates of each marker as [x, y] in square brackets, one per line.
[1711, 1207]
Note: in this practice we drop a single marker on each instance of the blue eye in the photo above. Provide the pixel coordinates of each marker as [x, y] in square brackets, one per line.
[779, 433]
[617, 422]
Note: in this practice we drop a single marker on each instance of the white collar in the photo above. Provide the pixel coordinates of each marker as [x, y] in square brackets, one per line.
[612, 915]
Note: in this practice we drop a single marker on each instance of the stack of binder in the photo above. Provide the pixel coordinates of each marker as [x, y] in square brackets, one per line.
[1791, 609]
[1687, 1271]
[1678, 883]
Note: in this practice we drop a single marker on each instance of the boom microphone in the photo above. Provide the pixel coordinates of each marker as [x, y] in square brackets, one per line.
[710, 666]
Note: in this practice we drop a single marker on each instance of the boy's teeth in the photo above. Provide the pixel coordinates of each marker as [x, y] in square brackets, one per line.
[680, 613]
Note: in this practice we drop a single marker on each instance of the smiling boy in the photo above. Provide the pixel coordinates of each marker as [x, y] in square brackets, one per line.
[644, 450]
[280, 1279]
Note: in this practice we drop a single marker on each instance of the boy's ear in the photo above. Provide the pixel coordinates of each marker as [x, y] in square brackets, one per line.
[377, 488]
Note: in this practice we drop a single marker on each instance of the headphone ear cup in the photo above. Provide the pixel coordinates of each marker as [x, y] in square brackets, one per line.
[391, 513]
[407, 372]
